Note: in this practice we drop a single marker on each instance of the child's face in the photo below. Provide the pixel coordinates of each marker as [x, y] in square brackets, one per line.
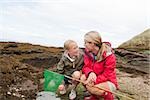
[73, 50]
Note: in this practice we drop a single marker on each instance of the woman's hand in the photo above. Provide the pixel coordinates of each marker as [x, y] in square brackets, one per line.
[91, 78]
[83, 78]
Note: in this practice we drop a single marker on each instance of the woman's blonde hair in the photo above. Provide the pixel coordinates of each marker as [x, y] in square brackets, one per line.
[67, 44]
[94, 37]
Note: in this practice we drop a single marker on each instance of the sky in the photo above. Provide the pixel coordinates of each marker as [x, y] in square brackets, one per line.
[52, 22]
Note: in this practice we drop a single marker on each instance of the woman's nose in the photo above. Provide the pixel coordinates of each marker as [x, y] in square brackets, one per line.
[85, 44]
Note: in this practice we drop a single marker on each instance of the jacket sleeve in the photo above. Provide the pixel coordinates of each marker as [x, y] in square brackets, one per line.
[110, 64]
[87, 68]
[60, 66]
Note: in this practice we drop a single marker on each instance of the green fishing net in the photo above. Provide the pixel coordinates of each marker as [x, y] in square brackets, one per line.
[52, 80]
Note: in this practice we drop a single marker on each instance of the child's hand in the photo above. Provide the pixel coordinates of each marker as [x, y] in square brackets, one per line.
[76, 74]
[61, 87]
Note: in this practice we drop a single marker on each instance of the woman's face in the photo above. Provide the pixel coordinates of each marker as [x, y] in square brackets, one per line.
[73, 50]
[88, 45]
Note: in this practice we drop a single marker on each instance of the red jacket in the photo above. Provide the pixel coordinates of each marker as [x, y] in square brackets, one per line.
[105, 69]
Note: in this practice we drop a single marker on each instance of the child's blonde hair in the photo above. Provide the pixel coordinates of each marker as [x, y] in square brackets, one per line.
[67, 44]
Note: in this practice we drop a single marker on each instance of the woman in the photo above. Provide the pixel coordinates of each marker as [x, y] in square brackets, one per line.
[99, 68]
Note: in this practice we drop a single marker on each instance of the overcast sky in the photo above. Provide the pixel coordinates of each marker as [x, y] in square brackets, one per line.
[51, 22]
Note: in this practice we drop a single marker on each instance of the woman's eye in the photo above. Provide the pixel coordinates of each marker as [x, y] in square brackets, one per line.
[88, 42]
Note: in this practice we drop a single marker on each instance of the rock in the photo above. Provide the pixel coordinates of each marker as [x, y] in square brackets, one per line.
[8, 63]
[22, 66]
[47, 96]
[133, 60]
[135, 87]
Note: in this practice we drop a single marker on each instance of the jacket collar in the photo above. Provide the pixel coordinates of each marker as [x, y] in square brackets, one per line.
[67, 55]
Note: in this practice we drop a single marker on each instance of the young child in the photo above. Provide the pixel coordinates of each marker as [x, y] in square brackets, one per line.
[70, 64]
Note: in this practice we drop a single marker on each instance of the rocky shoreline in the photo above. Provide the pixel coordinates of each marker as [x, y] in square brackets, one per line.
[22, 66]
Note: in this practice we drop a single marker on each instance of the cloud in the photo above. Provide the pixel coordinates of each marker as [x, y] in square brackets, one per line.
[51, 22]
